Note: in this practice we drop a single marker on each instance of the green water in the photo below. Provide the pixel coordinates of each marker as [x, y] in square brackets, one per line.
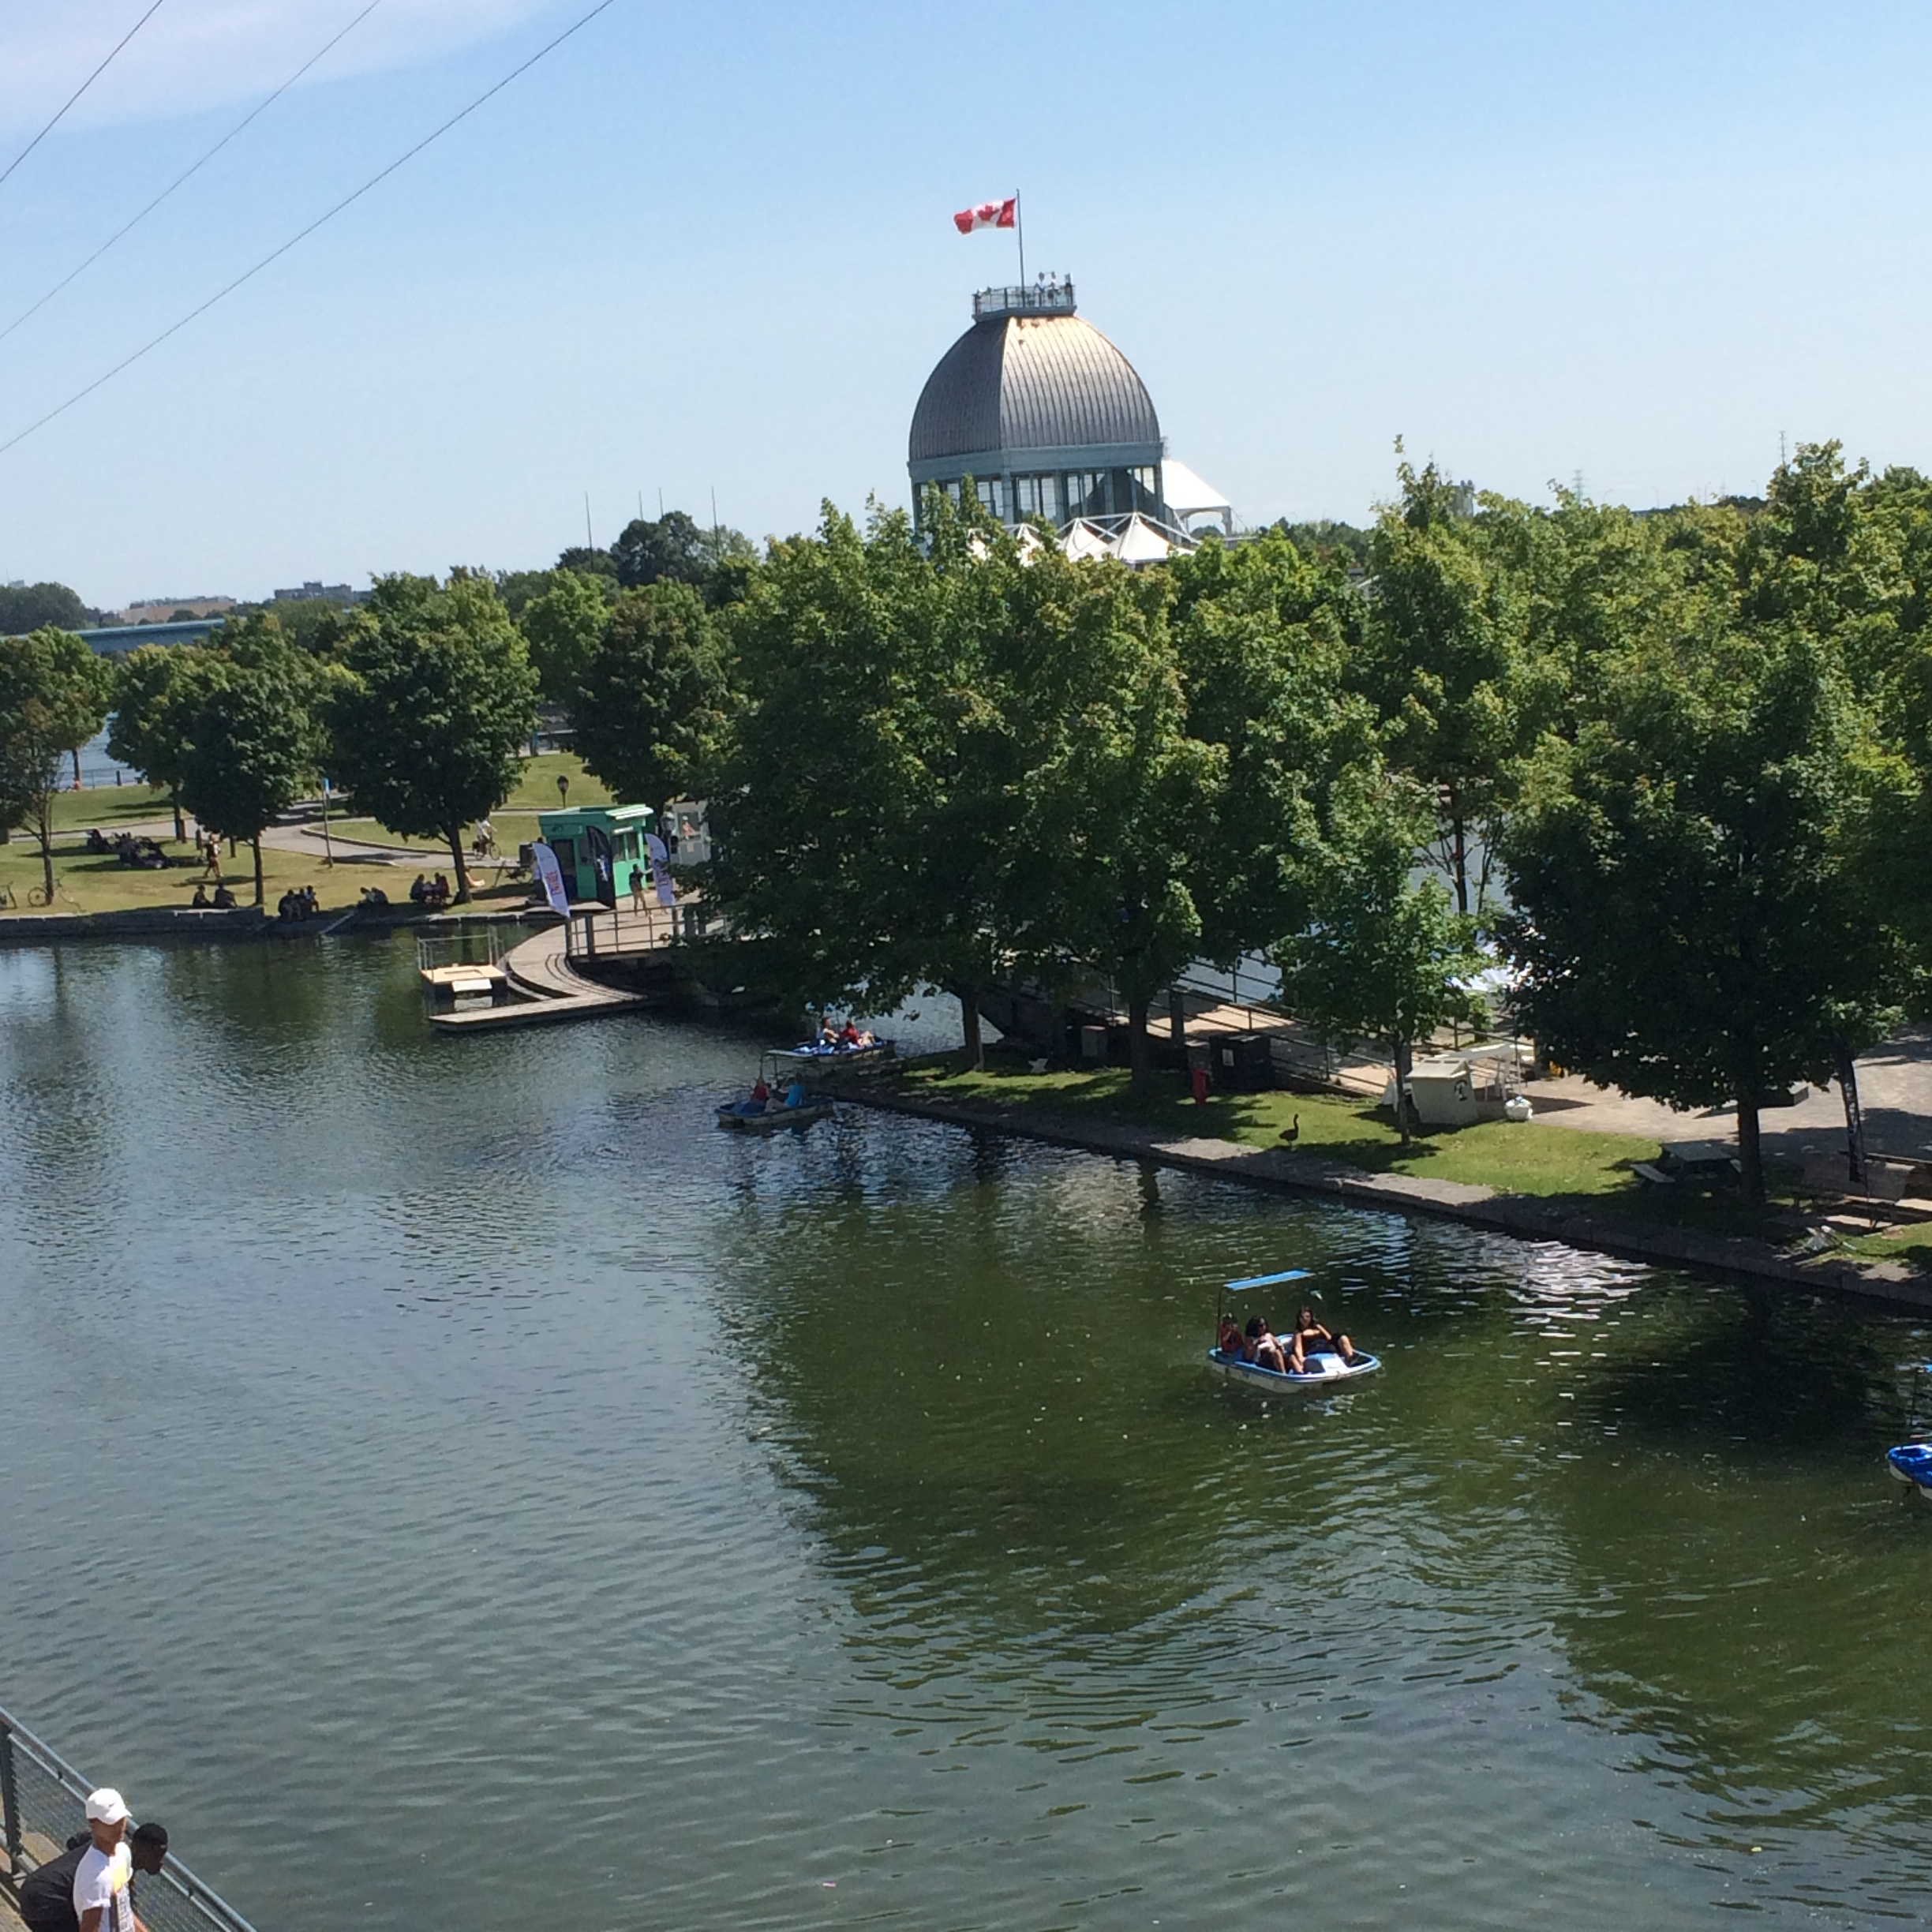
[453, 1485]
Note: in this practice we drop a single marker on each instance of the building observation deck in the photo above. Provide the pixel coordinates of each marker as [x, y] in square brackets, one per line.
[1043, 297]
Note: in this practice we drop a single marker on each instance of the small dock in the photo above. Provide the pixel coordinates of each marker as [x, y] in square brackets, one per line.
[545, 990]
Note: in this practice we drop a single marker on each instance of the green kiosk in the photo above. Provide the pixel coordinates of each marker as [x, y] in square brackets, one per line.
[624, 825]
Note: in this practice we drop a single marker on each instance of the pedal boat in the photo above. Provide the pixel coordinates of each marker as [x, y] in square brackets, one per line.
[1912, 1463]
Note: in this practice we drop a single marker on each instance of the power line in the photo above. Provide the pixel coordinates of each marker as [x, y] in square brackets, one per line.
[25, 314]
[249, 275]
[82, 89]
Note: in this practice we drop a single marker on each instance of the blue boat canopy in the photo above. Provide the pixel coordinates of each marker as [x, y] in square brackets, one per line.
[1268, 1281]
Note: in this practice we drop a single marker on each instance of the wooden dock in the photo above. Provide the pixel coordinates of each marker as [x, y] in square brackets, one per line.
[546, 990]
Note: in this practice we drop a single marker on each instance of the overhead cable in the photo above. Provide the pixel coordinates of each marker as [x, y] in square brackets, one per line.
[82, 89]
[249, 275]
[180, 179]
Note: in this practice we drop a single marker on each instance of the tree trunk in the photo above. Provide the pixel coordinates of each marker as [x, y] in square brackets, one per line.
[181, 831]
[1461, 853]
[968, 998]
[1847, 1068]
[1176, 1020]
[1403, 1107]
[454, 836]
[1750, 1156]
[1139, 1062]
[76, 765]
[261, 895]
[43, 829]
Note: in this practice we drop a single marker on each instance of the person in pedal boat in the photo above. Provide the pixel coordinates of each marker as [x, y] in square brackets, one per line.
[1263, 1350]
[1229, 1343]
[1311, 1337]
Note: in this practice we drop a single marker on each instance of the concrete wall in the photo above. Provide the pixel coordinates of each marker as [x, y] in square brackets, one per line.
[156, 922]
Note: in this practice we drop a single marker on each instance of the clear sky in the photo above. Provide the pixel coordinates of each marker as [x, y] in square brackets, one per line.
[709, 247]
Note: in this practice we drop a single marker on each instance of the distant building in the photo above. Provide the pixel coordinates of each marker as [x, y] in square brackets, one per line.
[168, 610]
[312, 592]
[1049, 420]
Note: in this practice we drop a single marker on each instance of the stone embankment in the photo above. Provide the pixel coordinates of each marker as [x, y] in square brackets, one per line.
[1528, 1216]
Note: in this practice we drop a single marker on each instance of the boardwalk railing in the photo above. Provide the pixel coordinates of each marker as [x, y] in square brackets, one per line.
[603, 932]
[43, 1801]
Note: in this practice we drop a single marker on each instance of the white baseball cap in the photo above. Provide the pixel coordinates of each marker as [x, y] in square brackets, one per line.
[105, 1807]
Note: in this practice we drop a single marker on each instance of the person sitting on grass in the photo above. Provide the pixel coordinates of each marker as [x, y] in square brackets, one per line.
[200, 900]
[1311, 1338]
[224, 899]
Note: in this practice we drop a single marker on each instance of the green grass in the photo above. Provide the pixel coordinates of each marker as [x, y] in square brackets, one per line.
[537, 790]
[87, 882]
[1526, 1159]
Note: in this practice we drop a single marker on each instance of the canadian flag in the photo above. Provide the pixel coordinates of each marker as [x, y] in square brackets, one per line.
[988, 215]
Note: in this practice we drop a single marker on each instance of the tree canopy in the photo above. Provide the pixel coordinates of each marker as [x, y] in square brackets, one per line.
[439, 699]
[54, 693]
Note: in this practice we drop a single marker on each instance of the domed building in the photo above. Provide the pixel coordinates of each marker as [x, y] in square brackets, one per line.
[1048, 419]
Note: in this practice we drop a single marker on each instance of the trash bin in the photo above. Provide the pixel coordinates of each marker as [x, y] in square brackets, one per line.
[1093, 1044]
[1243, 1063]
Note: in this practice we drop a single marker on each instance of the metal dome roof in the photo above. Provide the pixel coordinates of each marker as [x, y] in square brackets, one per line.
[1035, 392]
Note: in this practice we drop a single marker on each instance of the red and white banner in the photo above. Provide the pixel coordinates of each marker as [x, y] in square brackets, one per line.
[988, 215]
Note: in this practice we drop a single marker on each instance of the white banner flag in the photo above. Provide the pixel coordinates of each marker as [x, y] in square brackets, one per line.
[551, 875]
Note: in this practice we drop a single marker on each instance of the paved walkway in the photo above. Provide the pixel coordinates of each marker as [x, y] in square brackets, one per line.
[1895, 1090]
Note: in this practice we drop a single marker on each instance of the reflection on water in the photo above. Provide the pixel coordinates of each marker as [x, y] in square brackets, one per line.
[442, 1475]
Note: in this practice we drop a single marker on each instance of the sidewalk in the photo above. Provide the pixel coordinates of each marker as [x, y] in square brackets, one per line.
[1895, 1090]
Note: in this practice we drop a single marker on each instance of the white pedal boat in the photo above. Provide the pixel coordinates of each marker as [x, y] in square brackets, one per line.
[1324, 1371]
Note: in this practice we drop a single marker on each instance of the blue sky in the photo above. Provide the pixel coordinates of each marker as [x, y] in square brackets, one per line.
[704, 248]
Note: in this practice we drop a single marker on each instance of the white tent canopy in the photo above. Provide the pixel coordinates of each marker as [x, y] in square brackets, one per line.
[1190, 495]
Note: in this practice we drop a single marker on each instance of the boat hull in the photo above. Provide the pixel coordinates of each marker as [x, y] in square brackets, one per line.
[1325, 1371]
[1911, 1463]
[769, 1121]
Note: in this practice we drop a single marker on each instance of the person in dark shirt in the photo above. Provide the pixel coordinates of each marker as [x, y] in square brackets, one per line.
[46, 1896]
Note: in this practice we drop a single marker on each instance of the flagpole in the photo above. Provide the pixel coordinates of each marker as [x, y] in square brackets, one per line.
[1020, 236]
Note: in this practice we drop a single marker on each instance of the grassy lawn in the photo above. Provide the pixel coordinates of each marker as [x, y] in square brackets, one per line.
[537, 789]
[87, 882]
[1526, 1159]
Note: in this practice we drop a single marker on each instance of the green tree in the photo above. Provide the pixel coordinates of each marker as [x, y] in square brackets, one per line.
[1693, 919]
[252, 744]
[1385, 955]
[649, 700]
[54, 693]
[154, 692]
[1265, 634]
[32, 607]
[1118, 798]
[1446, 657]
[428, 728]
[561, 626]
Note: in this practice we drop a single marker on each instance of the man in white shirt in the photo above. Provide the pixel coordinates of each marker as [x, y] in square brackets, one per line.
[104, 1901]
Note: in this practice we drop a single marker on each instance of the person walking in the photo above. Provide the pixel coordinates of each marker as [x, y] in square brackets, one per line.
[47, 1899]
[103, 1896]
[637, 889]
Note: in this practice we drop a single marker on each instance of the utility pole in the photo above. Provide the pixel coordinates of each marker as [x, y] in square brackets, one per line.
[589, 542]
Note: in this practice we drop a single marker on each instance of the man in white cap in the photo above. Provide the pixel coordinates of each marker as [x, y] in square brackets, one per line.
[103, 1899]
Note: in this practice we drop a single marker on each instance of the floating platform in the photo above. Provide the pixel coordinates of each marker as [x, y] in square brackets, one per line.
[543, 988]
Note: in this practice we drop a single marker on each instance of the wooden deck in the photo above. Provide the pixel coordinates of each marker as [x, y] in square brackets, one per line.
[549, 992]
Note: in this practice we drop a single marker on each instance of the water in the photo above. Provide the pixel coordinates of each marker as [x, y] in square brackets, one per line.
[451, 1484]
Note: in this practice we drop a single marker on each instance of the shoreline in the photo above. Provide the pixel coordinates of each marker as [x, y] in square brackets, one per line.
[1526, 1216]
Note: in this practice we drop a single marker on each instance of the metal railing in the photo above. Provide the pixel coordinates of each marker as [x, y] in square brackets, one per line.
[601, 932]
[43, 1802]
[1019, 298]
